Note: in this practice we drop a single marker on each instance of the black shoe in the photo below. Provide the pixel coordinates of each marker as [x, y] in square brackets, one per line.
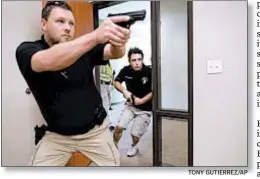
[111, 128]
[110, 109]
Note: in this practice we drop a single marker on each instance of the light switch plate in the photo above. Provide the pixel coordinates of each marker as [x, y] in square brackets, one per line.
[214, 66]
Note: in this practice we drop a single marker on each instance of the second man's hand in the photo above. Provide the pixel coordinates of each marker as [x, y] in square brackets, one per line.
[135, 101]
[138, 101]
[127, 94]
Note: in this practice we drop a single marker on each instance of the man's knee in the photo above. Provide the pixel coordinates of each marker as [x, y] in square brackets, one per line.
[137, 134]
[118, 129]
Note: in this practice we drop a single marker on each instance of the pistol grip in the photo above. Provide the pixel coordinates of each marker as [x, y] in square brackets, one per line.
[127, 24]
[124, 25]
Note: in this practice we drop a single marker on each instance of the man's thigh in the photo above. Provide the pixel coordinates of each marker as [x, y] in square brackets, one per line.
[141, 123]
[100, 149]
[52, 151]
[126, 117]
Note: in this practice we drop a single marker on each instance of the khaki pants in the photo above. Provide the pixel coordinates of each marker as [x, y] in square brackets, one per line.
[141, 120]
[55, 149]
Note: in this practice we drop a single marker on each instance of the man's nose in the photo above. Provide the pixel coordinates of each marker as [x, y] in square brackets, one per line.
[67, 28]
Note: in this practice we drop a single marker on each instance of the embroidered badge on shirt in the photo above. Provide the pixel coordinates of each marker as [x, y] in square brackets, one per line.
[144, 80]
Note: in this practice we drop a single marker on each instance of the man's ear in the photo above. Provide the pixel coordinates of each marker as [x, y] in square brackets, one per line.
[43, 24]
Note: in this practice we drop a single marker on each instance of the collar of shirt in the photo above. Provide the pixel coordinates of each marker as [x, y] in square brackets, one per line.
[44, 42]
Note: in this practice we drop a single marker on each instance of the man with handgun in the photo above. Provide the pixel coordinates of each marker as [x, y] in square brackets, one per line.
[59, 71]
[138, 79]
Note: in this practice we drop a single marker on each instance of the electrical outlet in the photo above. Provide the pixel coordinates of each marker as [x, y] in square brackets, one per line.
[214, 66]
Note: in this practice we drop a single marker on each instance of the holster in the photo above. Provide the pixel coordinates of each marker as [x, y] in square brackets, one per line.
[39, 132]
[100, 114]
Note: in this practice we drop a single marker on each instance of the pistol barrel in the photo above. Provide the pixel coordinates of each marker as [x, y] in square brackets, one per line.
[135, 15]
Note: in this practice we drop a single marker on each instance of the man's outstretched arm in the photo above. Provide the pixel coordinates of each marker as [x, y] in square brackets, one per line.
[65, 54]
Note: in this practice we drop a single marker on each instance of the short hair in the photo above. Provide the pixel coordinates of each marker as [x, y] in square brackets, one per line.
[135, 50]
[46, 11]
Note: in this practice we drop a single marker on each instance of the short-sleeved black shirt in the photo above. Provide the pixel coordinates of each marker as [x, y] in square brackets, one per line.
[139, 83]
[67, 98]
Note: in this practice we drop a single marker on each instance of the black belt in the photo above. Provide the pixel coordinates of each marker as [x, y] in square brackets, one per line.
[104, 82]
[40, 131]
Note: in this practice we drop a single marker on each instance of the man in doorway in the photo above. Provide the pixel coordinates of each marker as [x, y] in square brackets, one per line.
[138, 92]
[106, 81]
[59, 71]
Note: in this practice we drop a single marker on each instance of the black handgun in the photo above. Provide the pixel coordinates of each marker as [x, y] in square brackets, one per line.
[132, 99]
[134, 16]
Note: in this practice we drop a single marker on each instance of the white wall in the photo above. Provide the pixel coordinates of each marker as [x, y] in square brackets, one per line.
[21, 21]
[174, 50]
[220, 100]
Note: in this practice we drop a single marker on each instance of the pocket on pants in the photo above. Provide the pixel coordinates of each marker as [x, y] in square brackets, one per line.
[112, 149]
[115, 153]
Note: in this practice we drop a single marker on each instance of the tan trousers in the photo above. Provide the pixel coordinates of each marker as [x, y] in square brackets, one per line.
[141, 120]
[55, 149]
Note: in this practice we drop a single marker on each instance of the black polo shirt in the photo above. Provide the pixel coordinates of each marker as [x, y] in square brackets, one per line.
[139, 83]
[67, 98]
